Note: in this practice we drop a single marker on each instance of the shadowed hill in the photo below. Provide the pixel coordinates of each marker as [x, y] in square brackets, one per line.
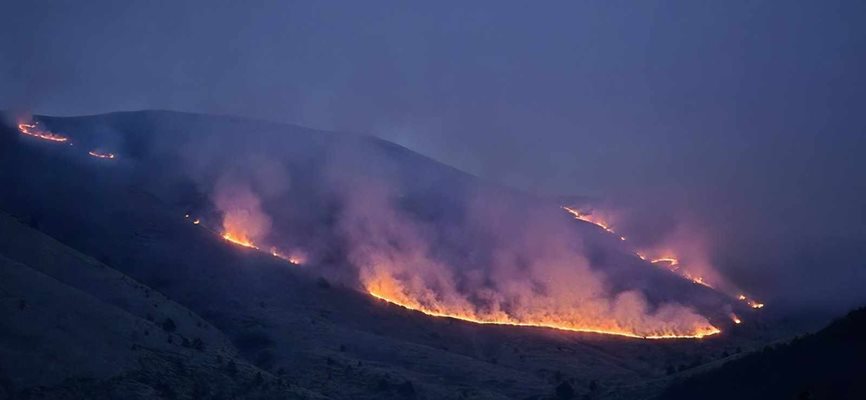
[75, 328]
[830, 364]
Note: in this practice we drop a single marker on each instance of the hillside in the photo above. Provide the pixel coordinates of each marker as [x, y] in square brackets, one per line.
[830, 364]
[73, 327]
[310, 325]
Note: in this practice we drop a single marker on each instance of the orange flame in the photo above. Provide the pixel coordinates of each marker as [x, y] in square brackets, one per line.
[391, 291]
[751, 302]
[295, 258]
[585, 217]
[735, 318]
[33, 130]
[97, 154]
[239, 239]
[670, 261]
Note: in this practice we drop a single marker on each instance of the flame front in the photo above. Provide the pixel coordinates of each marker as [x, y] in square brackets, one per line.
[587, 217]
[239, 239]
[295, 258]
[751, 302]
[390, 290]
[32, 129]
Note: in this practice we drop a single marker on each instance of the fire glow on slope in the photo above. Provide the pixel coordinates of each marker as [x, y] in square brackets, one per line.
[669, 262]
[32, 129]
[751, 302]
[673, 264]
[239, 239]
[97, 154]
[391, 292]
[587, 217]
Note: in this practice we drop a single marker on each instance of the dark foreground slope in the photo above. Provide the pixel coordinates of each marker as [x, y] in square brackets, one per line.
[830, 364]
[75, 328]
[295, 324]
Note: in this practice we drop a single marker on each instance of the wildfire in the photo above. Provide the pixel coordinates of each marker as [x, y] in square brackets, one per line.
[735, 318]
[390, 291]
[33, 130]
[239, 240]
[295, 258]
[670, 261]
[586, 217]
[751, 302]
[97, 154]
[673, 264]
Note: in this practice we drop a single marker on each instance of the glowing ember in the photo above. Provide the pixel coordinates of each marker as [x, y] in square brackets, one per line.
[97, 154]
[751, 302]
[239, 240]
[673, 264]
[197, 221]
[390, 291]
[296, 259]
[735, 318]
[34, 131]
[697, 279]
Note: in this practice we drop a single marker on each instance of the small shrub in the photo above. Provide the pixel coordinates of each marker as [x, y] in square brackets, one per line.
[168, 325]
[564, 391]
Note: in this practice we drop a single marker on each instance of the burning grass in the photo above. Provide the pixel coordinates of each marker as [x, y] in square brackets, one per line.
[98, 154]
[390, 291]
[33, 130]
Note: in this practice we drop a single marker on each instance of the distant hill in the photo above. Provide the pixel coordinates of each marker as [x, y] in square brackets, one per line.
[830, 364]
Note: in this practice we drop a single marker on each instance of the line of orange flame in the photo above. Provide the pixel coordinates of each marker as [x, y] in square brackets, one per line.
[243, 241]
[238, 240]
[752, 303]
[706, 331]
[672, 263]
[33, 130]
[97, 154]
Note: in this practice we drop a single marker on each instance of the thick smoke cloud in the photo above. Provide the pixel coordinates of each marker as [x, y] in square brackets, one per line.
[493, 260]
[740, 121]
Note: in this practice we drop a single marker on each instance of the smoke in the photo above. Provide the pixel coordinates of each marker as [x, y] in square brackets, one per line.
[495, 262]
[243, 217]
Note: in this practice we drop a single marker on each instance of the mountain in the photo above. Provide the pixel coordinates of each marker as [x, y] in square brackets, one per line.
[829, 364]
[308, 330]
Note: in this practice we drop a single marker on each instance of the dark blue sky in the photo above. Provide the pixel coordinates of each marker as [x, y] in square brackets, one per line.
[746, 116]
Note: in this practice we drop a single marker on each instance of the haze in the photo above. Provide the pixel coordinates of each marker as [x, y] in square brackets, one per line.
[742, 121]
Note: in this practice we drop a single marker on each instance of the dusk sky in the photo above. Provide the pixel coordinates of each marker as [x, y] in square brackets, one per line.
[744, 118]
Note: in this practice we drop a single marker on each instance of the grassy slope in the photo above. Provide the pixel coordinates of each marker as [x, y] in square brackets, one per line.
[73, 327]
[331, 340]
[830, 364]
